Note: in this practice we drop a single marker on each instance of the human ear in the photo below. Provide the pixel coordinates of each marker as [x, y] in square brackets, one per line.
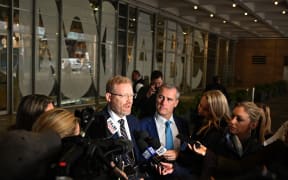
[108, 97]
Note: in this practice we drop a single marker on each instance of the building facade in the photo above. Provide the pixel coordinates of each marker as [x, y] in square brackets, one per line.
[68, 49]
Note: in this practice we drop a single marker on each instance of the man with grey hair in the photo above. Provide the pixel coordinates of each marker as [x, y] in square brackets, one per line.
[164, 126]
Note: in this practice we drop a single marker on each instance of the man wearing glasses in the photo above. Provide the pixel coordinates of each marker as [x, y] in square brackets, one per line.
[120, 124]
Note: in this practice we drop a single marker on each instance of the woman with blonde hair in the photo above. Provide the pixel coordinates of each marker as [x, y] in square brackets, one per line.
[214, 110]
[60, 120]
[263, 129]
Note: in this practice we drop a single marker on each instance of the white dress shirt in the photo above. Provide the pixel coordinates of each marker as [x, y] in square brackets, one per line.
[115, 118]
[160, 124]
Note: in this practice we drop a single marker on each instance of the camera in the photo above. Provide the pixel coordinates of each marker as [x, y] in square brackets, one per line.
[91, 155]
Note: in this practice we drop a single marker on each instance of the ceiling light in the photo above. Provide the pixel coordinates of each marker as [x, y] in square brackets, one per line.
[255, 20]
[275, 3]
[234, 5]
[283, 12]
[195, 7]
[245, 13]
[211, 15]
[224, 21]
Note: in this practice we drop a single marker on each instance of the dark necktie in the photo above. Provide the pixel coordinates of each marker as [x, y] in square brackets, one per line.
[122, 129]
[169, 136]
[129, 157]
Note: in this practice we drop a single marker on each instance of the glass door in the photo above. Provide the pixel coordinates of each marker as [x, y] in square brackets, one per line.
[3, 58]
[3, 72]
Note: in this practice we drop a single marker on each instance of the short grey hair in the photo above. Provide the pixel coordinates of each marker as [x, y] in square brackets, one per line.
[171, 86]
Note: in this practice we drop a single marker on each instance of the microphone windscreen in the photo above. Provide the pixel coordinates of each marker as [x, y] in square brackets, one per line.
[155, 143]
[27, 154]
[142, 145]
[141, 134]
[126, 144]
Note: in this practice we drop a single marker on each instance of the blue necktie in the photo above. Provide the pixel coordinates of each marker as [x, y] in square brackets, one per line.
[169, 136]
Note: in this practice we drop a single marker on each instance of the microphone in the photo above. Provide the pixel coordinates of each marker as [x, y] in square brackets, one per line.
[155, 143]
[159, 149]
[141, 134]
[148, 152]
[93, 149]
[188, 140]
[110, 164]
[115, 146]
[147, 146]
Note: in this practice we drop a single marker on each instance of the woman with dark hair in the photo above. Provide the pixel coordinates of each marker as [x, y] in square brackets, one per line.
[30, 108]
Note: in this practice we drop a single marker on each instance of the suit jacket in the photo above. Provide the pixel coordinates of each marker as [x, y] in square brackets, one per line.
[99, 128]
[148, 124]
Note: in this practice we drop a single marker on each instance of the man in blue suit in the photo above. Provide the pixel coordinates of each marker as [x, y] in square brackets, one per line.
[157, 126]
[120, 124]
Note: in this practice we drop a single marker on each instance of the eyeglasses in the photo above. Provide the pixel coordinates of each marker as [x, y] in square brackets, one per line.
[124, 95]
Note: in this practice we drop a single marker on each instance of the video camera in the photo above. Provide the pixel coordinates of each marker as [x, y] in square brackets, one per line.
[91, 155]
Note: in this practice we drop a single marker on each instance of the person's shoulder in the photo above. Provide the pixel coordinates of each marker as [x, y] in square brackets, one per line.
[140, 81]
[146, 121]
[142, 93]
[103, 112]
[178, 118]
[131, 117]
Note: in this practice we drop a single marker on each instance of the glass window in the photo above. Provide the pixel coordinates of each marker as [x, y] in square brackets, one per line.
[160, 43]
[3, 57]
[198, 62]
[145, 31]
[212, 57]
[79, 52]
[107, 38]
[22, 49]
[46, 60]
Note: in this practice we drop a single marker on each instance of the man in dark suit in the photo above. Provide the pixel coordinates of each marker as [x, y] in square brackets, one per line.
[138, 81]
[120, 124]
[144, 103]
[157, 126]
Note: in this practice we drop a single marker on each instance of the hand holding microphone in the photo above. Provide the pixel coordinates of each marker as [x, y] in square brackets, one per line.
[195, 146]
[151, 148]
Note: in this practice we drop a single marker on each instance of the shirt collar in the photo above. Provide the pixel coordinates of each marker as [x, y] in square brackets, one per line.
[114, 116]
[162, 120]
